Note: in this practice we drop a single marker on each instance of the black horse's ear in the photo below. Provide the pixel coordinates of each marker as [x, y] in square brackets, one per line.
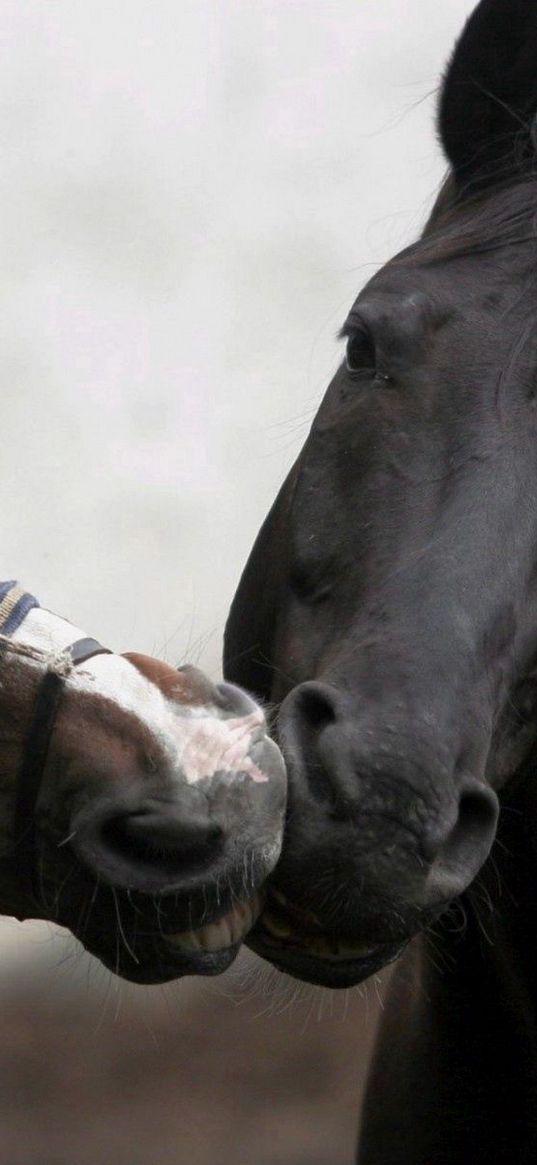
[488, 102]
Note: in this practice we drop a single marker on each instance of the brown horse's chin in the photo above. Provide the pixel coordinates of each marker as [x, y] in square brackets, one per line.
[164, 966]
[160, 956]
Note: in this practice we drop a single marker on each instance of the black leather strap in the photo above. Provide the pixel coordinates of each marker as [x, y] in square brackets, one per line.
[34, 758]
[33, 763]
[85, 649]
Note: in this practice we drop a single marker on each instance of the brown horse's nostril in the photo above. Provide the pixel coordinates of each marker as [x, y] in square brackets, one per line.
[235, 701]
[152, 847]
[163, 833]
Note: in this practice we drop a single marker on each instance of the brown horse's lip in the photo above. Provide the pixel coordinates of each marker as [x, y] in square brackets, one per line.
[160, 957]
[170, 965]
[220, 934]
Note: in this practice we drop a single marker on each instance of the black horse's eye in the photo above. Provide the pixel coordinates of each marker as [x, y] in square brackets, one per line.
[360, 355]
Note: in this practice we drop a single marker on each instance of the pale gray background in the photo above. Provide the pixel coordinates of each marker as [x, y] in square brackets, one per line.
[191, 194]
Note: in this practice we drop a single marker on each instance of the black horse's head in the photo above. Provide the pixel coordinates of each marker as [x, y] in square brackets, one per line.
[390, 602]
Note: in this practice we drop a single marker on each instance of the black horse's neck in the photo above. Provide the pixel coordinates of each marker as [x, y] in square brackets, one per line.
[509, 879]
[456, 1064]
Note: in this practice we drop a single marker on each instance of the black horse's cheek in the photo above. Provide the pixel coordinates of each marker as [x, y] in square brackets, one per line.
[389, 612]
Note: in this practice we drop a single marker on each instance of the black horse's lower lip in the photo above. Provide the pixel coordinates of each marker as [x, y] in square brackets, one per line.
[321, 970]
[321, 959]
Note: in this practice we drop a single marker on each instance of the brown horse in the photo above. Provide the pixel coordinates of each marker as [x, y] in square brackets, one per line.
[390, 608]
[140, 806]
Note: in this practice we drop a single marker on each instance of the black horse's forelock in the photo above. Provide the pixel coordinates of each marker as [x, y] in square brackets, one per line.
[503, 217]
[495, 220]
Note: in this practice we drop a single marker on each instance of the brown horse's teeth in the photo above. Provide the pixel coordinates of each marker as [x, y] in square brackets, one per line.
[218, 936]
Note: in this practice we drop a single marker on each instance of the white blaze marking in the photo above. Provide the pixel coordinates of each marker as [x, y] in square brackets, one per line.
[198, 741]
[212, 745]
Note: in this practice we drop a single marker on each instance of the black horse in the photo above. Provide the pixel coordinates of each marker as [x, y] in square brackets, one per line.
[389, 608]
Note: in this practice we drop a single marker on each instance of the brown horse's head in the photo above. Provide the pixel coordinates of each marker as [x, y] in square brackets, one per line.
[158, 813]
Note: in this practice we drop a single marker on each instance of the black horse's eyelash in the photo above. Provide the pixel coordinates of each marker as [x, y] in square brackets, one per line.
[360, 354]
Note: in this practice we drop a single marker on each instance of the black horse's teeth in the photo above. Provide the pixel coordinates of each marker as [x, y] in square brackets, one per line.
[281, 921]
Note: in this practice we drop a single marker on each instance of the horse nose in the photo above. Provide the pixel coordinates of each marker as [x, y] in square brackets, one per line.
[345, 764]
[235, 700]
[306, 714]
[163, 829]
[152, 847]
[458, 849]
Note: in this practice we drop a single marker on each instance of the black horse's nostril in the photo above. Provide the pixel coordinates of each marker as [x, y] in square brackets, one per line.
[304, 715]
[151, 847]
[316, 704]
[308, 709]
[457, 856]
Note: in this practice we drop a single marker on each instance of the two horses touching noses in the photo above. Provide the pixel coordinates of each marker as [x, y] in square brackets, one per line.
[389, 610]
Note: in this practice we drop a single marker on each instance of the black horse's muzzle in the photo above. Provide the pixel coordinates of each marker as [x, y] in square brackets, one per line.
[382, 834]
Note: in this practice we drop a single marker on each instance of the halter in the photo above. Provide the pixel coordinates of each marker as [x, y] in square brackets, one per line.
[15, 604]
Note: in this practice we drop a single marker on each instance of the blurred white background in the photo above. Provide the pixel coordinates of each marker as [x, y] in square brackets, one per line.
[192, 193]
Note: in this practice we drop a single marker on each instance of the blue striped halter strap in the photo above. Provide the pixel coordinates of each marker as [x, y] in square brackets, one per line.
[15, 604]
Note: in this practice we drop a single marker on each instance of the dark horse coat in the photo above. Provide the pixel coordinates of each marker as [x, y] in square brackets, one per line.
[389, 608]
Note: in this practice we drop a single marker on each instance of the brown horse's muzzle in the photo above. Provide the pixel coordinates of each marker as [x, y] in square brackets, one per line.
[221, 808]
[165, 837]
